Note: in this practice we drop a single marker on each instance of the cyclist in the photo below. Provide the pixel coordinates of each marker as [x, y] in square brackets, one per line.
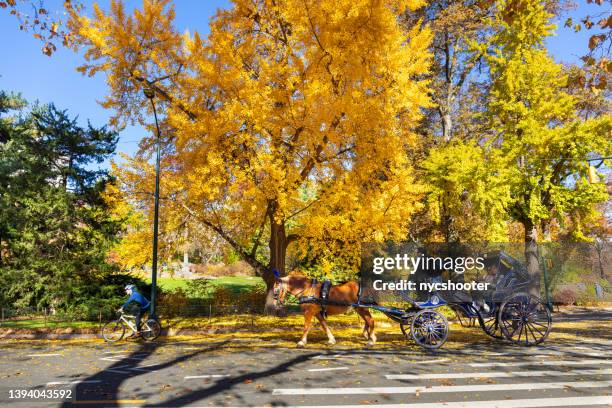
[138, 299]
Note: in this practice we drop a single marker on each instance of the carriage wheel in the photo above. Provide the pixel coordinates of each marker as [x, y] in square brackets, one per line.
[405, 327]
[464, 319]
[429, 329]
[490, 325]
[525, 319]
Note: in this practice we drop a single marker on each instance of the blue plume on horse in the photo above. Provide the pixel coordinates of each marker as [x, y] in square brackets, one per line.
[276, 273]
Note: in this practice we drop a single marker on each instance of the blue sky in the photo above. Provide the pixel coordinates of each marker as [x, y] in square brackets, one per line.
[23, 68]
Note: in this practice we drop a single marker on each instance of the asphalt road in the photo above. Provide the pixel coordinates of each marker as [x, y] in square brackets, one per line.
[198, 373]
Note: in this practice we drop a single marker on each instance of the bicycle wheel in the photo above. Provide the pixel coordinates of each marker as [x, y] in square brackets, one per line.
[113, 331]
[151, 330]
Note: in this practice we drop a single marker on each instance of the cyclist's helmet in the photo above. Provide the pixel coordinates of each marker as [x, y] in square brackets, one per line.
[129, 287]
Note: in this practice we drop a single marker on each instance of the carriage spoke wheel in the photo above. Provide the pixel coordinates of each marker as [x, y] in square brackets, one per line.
[113, 331]
[405, 327]
[525, 319]
[490, 325]
[151, 330]
[429, 329]
[464, 320]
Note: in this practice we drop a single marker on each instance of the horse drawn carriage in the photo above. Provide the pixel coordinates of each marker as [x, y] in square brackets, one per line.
[506, 311]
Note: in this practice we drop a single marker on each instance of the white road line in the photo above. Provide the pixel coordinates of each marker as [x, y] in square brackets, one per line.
[44, 355]
[497, 374]
[439, 360]
[116, 369]
[600, 354]
[146, 370]
[550, 362]
[191, 377]
[327, 356]
[113, 359]
[328, 369]
[441, 388]
[52, 383]
[519, 403]
[333, 356]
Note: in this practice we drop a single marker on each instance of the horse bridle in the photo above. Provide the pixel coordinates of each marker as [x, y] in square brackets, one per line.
[278, 289]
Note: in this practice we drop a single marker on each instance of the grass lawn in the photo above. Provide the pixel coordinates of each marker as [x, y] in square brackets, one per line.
[39, 323]
[236, 283]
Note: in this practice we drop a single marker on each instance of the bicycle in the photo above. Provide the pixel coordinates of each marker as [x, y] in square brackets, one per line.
[114, 331]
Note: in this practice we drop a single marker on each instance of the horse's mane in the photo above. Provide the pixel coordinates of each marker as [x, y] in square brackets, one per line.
[297, 272]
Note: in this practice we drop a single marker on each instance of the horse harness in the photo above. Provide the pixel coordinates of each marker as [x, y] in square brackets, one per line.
[323, 297]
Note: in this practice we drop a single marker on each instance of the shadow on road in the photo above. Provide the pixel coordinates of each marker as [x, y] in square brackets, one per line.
[109, 380]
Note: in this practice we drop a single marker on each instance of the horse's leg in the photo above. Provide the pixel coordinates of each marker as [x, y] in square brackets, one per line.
[330, 337]
[366, 332]
[369, 322]
[307, 324]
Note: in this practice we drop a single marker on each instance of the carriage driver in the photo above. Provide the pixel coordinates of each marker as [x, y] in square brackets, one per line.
[139, 300]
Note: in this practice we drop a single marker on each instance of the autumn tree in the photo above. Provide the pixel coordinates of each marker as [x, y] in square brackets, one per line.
[539, 133]
[289, 122]
[457, 89]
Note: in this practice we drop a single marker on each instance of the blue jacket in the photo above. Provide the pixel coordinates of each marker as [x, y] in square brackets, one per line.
[137, 298]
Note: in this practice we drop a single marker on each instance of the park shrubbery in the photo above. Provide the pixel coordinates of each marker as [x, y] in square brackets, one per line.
[239, 268]
[565, 297]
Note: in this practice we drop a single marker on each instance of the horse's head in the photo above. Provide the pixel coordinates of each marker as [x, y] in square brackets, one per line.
[293, 284]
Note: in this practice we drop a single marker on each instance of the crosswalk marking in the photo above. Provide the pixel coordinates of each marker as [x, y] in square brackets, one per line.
[549, 362]
[497, 374]
[519, 403]
[53, 383]
[439, 360]
[441, 388]
[328, 369]
[44, 355]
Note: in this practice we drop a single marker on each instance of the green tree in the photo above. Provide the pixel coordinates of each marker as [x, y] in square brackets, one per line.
[54, 226]
[538, 132]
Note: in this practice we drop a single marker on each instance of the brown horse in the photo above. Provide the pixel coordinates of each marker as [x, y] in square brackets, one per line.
[301, 286]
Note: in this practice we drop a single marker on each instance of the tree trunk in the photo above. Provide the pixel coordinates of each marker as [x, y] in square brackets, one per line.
[278, 251]
[447, 126]
[599, 248]
[531, 256]
[447, 221]
[546, 233]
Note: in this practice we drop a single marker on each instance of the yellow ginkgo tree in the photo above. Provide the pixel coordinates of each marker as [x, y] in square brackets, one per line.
[288, 123]
[537, 134]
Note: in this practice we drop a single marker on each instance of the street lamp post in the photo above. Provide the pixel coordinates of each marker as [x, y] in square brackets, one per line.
[150, 94]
